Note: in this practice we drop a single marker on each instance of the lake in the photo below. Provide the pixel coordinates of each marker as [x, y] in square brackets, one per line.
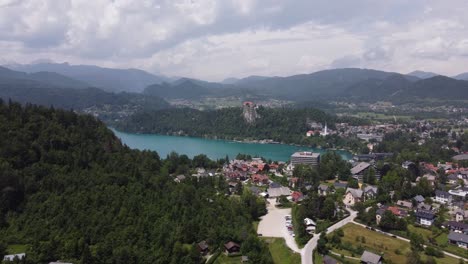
[214, 149]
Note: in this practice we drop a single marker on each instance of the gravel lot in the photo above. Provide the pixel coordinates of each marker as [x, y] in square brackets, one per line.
[273, 224]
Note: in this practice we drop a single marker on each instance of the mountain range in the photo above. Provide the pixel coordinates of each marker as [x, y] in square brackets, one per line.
[343, 84]
[49, 88]
[108, 79]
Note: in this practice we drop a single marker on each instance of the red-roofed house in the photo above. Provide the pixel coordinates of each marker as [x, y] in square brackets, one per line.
[260, 178]
[297, 196]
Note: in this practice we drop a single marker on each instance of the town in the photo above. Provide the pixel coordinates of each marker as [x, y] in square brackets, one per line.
[413, 201]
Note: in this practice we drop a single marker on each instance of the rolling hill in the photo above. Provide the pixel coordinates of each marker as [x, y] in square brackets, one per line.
[422, 74]
[108, 79]
[52, 89]
[461, 76]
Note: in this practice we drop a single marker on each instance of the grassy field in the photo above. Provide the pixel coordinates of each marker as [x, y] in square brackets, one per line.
[390, 248]
[16, 249]
[382, 117]
[426, 233]
[281, 253]
[223, 259]
[442, 241]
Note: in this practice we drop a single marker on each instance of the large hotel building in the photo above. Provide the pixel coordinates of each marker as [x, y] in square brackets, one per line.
[307, 158]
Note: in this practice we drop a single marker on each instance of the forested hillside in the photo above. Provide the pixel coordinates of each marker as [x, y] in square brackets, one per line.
[52, 89]
[70, 190]
[287, 125]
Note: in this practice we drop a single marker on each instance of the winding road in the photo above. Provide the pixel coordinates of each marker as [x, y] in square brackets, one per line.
[306, 252]
[275, 217]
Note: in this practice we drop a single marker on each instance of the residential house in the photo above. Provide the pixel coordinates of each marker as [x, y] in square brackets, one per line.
[310, 225]
[352, 196]
[370, 258]
[12, 257]
[323, 189]
[405, 204]
[203, 247]
[260, 179]
[430, 178]
[406, 164]
[296, 196]
[179, 178]
[423, 206]
[339, 185]
[456, 227]
[453, 178]
[419, 199]
[401, 213]
[231, 247]
[359, 170]
[370, 192]
[277, 192]
[294, 182]
[461, 240]
[443, 197]
[425, 217]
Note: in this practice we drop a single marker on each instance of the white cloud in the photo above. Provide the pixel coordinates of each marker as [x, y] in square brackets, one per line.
[217, 39]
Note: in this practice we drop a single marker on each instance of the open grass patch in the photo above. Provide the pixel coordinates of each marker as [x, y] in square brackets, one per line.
[17, 248]
[223, 259]
[392, 249]
[280, 251]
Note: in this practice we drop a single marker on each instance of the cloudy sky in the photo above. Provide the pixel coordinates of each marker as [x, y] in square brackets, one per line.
[214, 40]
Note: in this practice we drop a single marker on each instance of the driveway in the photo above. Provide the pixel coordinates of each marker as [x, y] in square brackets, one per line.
[273, 224]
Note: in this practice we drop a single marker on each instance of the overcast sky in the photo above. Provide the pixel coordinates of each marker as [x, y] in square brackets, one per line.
[214, 40]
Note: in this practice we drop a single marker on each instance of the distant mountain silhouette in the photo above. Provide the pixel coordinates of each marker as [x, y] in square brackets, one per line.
[108, 79]
[461, 76]
[422, 74]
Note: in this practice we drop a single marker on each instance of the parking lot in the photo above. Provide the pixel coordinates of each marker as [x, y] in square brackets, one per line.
[273, 224]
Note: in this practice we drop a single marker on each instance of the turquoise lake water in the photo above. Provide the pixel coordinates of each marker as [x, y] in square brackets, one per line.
[214, 149]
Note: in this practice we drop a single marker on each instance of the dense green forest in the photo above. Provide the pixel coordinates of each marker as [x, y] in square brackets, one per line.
[407, 147]
[287, 125]
[70, 190]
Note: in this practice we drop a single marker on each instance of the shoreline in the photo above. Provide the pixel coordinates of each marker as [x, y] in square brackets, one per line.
[347, 154]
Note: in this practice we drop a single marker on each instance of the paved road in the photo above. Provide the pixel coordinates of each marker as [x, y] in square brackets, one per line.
[407, 240]
[306, 253]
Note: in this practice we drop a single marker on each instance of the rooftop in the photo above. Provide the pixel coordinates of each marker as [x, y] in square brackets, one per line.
[458, 237]
[461, 157]
[306, 154]
[369, 257]
[360, 167]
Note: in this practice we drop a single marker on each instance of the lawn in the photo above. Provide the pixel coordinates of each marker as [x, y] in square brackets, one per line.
[381, 244]
[426, 233]
[280, 251]
[16, 248]
[223, 259]
[442, 241]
